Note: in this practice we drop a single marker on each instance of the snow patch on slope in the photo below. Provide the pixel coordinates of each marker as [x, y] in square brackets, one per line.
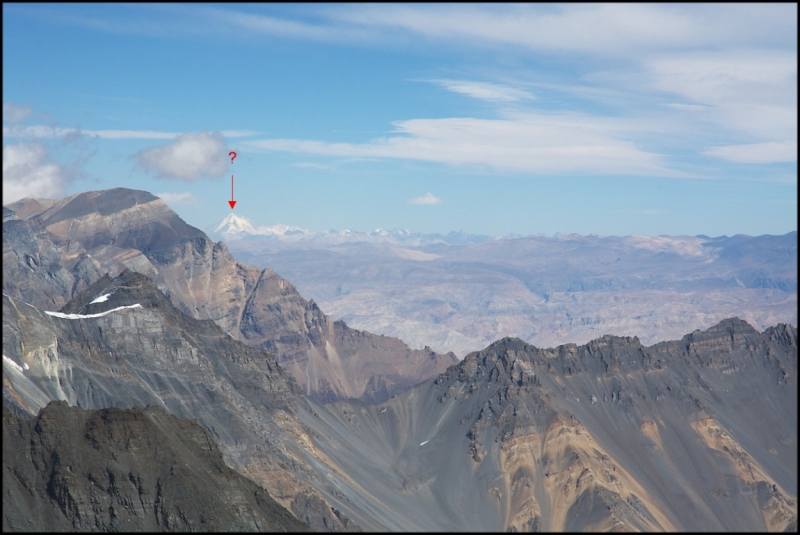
[101, 299]
[84, 316]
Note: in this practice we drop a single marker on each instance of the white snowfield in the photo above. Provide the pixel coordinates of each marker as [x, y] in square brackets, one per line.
[82, 316]
[101, 299]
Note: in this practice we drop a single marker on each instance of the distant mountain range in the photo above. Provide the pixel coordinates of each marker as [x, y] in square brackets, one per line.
[461, 292]
[236, 227]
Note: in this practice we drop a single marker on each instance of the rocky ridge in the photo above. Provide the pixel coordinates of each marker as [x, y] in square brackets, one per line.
[694, 434]
[122, 344]
[52, 250]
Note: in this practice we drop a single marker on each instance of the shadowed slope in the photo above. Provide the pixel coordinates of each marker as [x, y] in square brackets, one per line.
[125, 470]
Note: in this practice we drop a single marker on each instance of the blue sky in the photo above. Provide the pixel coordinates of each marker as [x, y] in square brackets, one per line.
[647, 119]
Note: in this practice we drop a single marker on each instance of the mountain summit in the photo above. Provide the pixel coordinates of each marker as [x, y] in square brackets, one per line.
[235, 224]
[52, 250]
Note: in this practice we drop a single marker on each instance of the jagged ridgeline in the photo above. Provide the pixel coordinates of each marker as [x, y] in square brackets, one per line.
[694, 434]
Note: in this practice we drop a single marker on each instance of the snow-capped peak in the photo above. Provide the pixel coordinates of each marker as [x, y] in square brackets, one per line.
[235, 224]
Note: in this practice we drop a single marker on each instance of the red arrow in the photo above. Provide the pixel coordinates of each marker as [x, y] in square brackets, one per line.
[232, 202]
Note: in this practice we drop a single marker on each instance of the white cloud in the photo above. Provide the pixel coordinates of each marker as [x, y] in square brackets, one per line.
[485, 91]
[26, 173]
[753, 92]
[190, 157]
[533, 143]
[427, 199]
[13, 113]
[174, 199]
[757, 152]
[597, 29]
[620, 29]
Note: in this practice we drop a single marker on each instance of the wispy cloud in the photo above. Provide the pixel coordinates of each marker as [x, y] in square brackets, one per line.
[13, 113]
[533, 143]
[596, 29]
[27, 172]
[311, 165]
[426, 200]
[757, 152]
[190, 157]
[485, 90]
[175, 199]
[752, 92]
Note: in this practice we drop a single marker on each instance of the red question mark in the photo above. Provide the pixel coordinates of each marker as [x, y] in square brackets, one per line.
[232, 155]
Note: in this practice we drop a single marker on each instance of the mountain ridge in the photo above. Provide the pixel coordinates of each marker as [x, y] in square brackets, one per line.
[54, 250]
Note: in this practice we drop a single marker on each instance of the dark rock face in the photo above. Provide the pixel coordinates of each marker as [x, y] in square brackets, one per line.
[53, 250]
[68, 469]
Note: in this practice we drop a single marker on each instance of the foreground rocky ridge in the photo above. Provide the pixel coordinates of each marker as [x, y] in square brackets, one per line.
[52, 250]
[694, 434]
[68, 469]
[133, 347]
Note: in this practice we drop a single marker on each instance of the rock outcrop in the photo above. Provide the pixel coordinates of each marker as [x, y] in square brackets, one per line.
[69, 469]
[52, 250]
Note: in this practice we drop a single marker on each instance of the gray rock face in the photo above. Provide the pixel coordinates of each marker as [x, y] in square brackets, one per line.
[52, 250]
[695, 434]
[133, 347]
[68, 469]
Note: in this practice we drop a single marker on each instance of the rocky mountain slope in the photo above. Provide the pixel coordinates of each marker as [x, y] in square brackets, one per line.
[544, 290]
[69, 469]
[694, 434]
[132, 347]
[54, 249]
